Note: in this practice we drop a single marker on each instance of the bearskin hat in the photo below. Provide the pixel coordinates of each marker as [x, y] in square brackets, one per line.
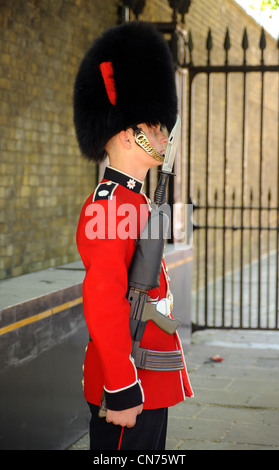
[126, 78]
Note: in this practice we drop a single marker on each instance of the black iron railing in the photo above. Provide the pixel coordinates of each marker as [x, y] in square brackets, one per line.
[235, 239]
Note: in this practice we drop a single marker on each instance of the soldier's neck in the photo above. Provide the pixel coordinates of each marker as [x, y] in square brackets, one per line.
[130, 166]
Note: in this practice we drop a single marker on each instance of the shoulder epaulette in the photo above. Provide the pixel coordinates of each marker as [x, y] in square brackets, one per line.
[104, 191]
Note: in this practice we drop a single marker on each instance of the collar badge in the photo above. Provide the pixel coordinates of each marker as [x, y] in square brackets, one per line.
[131, 183]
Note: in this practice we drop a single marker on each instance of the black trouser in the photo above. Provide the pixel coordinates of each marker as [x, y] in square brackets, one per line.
[149, 433]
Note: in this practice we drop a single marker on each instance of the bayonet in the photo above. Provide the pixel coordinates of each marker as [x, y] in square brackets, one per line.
[167, 167]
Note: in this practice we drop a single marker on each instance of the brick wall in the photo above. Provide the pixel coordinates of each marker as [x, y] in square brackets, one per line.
[44, 181]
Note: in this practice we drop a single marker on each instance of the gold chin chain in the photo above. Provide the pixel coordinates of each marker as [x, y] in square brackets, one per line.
[144, 143]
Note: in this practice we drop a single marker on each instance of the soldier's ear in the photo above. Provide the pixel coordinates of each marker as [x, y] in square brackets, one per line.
[126, 138]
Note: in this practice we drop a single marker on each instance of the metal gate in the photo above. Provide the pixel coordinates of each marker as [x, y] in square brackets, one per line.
[231, 133]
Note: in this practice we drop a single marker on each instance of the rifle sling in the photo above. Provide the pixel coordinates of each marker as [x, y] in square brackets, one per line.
[157, 360]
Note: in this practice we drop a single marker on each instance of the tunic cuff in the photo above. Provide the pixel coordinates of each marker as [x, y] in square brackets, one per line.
[124, 398]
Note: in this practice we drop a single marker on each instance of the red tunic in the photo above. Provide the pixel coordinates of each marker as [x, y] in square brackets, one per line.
[116, 206]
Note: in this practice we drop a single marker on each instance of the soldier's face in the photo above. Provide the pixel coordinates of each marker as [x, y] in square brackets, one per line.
[157, 137]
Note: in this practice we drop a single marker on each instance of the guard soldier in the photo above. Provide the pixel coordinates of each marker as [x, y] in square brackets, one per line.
[124, 96]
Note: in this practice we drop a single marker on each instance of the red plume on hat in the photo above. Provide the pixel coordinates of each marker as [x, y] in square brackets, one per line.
[126, 78]
[108, 77]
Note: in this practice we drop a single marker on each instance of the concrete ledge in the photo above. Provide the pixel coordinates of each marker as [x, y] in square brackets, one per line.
[32, 332]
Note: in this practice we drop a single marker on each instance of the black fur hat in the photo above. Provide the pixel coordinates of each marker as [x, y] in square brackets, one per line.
[126, 78]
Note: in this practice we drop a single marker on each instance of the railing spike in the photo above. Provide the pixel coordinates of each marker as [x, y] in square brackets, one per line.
[190, 42]
[262, 40]
[209, 45]
[245, 44]
[227, 43]
[262, 45]
[209, 40]
[251, 195]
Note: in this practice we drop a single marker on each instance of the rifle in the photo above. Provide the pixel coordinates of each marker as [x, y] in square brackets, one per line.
[144, 273]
